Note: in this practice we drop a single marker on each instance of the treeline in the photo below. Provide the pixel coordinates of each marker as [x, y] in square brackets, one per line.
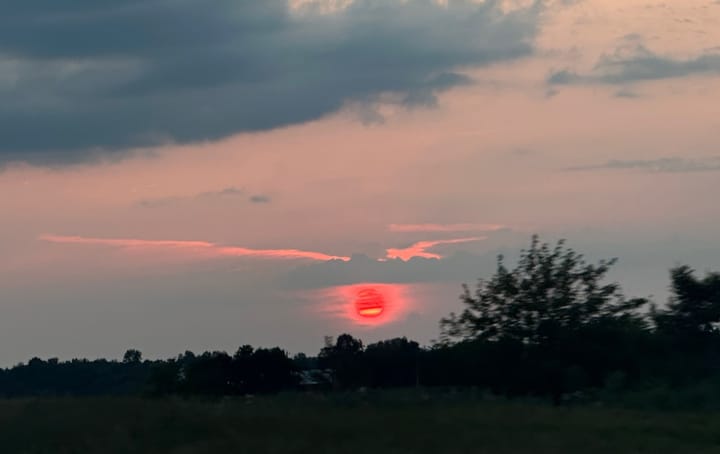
[551, 326]
[248, 371]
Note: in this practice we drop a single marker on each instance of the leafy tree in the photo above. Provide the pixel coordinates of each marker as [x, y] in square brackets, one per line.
[550, 291]
[345, 359]
[694, 306]
[132, 356]
[304, 362]
[688, 328]
[244, 375]
[164, 378]
[208, 374]
[393, 363]
[274, 370]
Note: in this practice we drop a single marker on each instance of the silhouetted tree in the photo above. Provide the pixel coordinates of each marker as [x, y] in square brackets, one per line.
[345, 359]
[541, 312]
[694, 306]
[132, 356]
[688, 327]
[392, 363]
[244, 373]
[304, 362]
[164, 378]
[275, 370]
[550, 290]
[209, 373]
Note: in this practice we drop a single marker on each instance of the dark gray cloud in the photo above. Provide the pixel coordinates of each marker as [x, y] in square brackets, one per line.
[639, 64]
[229, 192]
[669, 165]
[80, 76]
[259, 198]
[627, 93]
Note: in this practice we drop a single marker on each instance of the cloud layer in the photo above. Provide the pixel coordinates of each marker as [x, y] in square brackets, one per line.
[202, 249]
[670, 165]
[82, 76]
[463, 227]
[639, 64]
[205, 249]
[420, 249]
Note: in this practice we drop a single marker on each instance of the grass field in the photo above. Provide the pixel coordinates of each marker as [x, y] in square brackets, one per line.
[344, 424]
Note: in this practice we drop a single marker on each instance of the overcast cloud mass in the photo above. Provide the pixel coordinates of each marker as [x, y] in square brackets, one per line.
[84, 75]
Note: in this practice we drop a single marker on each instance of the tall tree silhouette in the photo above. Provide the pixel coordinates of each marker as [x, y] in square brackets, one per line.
[694, 306]
[393, 363]
[550, 291]
[345, 359]
[689, 326]
[538, 319]
[132, 356]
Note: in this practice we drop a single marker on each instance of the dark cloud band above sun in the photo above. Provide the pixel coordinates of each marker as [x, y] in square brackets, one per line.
[81, 77]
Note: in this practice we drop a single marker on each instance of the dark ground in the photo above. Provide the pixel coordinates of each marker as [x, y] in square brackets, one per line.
[344, 424]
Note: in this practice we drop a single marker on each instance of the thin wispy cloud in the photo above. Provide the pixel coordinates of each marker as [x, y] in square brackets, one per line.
[429, 228]
[226, 193]
[420, 249]
[259, 199]
[202, 249]
[663, 165]
[206, 249]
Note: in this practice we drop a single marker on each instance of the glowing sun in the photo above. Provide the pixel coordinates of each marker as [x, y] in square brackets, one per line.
[365, 304]
[369, 303]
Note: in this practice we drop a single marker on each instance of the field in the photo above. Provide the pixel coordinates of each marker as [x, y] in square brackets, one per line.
[344, 424]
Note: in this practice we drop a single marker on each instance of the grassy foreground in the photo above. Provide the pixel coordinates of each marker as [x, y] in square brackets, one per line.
[344, 424]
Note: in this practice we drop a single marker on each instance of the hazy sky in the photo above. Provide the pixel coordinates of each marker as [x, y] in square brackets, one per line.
[181, 174]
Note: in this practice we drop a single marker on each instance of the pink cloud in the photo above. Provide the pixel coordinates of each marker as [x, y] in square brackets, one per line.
[202, 248]
[406, 228]
[205, 249]
[126, 242]
[419, 249]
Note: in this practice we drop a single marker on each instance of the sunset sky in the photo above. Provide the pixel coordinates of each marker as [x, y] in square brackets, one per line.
[196, 175]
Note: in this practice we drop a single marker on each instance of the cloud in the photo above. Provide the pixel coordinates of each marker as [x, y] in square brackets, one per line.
[639, 64]
[229, 192]
[81, 77]
[458, 267]
[405, 228]
[419, 249]
[259, 199]
[626, 93]
[666, 165]
[200, 249]
[205, 249]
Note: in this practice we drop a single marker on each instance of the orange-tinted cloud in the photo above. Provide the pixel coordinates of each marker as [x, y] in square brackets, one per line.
[406, 228]
[419, 249]
[201, 248]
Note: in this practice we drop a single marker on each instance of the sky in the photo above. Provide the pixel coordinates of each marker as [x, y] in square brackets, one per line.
[197, 175]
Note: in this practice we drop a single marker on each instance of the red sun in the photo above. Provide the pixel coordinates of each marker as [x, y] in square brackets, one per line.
[366, 304]
[369, 303]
